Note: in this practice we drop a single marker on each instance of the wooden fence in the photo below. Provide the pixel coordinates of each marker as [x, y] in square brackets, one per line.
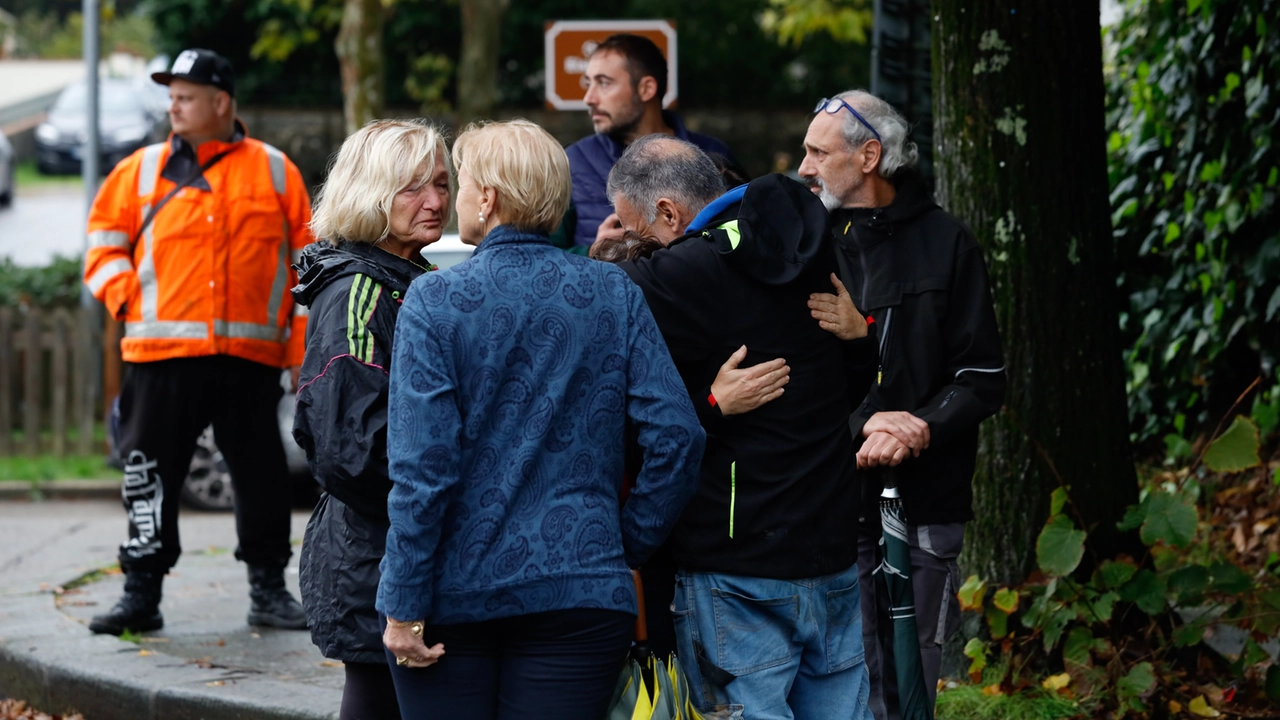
[47, 382]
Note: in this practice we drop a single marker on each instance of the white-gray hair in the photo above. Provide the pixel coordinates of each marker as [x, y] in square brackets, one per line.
[658, 166]
[896, 151]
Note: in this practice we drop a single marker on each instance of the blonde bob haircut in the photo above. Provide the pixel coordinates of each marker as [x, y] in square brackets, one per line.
[376, 162]
[525, 166]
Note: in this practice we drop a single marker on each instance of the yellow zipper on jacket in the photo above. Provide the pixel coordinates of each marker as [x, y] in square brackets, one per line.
[733, 493]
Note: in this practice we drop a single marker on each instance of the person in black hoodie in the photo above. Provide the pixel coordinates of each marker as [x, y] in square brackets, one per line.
[766, 605]
[387, 197]
[921, 273]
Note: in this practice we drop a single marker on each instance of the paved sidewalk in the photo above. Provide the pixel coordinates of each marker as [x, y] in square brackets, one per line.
[206, 662]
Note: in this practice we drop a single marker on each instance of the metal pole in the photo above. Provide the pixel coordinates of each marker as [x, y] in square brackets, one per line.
[90, 157]
[877, 37]
[89, 152]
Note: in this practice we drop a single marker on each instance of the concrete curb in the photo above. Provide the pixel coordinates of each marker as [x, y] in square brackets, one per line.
[60, 490]
[51, 660]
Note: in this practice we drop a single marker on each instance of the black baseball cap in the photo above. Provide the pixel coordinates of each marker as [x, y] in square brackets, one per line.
[204, 67]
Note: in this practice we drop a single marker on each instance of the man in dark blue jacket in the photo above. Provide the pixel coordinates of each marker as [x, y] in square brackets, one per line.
[628, 79]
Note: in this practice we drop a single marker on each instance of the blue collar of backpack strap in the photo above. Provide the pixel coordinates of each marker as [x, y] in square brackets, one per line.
[716, 207]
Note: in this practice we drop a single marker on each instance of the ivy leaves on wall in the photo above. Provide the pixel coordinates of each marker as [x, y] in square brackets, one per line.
[1194, 182]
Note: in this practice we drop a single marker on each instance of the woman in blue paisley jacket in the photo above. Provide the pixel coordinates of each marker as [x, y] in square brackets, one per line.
[506, 585]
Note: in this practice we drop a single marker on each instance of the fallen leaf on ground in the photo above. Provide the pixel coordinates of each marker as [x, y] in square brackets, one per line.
[144, 653]
[1199, 706]
[215, 683]
[19, 710]
[330, 663]
[992, 691]
[1175, 707]
[1056, 682]
[1237, 539]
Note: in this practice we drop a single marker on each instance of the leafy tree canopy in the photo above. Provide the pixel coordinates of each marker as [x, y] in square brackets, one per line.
[283, 49]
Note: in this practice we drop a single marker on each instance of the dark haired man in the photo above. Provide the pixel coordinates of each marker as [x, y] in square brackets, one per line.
[627, 77]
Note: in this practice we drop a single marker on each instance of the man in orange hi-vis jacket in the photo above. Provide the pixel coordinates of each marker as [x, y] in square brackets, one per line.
[191, 244]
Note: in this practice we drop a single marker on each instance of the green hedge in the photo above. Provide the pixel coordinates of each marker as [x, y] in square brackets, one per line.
[55, 285]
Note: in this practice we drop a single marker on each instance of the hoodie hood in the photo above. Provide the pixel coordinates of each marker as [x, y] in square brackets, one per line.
[781, 228]
[322, 264]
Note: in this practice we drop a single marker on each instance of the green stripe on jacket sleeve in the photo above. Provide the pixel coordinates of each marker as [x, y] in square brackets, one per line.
[361, 302]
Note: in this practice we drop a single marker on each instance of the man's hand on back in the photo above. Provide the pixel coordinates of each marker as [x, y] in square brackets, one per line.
[836, 313]
[908, 429]
[739, 391]
[882, 450]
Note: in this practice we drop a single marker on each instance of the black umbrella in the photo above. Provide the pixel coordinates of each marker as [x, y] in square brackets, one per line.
[894, 573]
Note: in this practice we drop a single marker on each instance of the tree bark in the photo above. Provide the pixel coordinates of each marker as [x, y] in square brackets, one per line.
[1020, 155]
[478, 65]
[359, 49]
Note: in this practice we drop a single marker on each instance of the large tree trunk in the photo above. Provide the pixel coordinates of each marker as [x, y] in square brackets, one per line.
[478, 66]
[359, 49]
[1020, 156]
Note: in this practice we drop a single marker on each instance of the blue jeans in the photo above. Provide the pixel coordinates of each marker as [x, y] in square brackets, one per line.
[761, 649]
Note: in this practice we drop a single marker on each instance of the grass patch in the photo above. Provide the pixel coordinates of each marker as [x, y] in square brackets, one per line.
[92, 576]
[26, 175]
[42, 468]
[131, 636]
[968, 702]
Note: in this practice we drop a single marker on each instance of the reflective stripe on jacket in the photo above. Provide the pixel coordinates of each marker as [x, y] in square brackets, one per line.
[211, 274]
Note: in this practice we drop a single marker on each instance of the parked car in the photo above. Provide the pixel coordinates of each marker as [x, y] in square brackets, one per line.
[155, 95]
[125, 122]
[6, 171]
[448, 251]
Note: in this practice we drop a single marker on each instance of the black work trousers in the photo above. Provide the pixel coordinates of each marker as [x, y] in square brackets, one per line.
[369, 693]
[164, 406]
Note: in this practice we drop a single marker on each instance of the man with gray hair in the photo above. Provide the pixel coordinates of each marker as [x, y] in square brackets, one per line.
[941, 372]
[766, 604]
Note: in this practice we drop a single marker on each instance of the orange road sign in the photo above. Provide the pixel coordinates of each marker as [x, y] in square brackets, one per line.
[570, 42]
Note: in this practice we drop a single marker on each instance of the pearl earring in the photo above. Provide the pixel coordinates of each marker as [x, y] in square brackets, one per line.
[481, 218]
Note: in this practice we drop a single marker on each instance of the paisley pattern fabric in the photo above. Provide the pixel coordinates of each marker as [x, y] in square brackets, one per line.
[513, 377]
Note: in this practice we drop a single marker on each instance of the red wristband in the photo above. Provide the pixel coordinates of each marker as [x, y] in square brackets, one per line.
[711, 400]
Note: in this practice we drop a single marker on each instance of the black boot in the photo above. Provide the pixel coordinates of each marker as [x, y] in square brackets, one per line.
[138, 610]
[273, 606]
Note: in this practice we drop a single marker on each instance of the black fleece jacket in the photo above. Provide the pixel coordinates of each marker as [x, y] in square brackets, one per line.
[919, 272]
[353, 292]
[778, 496]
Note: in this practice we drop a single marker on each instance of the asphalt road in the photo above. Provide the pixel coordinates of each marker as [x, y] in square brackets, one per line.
[43, 222]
